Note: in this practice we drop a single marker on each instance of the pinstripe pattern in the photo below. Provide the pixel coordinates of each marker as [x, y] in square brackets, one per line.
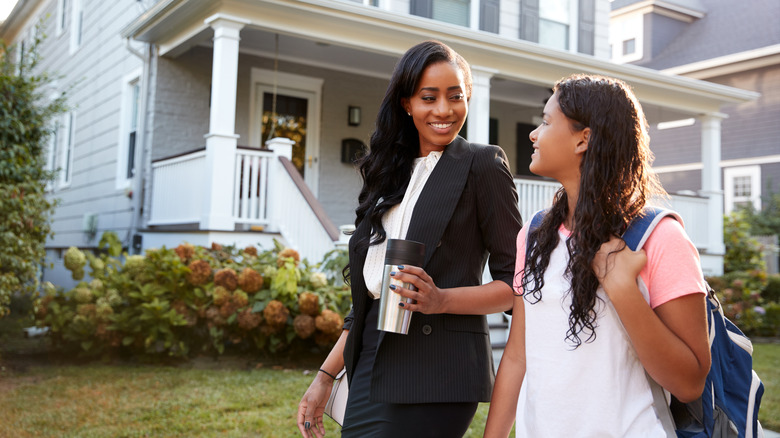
[467, 209]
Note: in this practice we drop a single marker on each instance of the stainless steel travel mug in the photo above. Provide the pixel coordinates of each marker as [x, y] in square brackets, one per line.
[392, 317]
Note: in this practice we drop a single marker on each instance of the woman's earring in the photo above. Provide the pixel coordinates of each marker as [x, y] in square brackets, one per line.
[409, 114]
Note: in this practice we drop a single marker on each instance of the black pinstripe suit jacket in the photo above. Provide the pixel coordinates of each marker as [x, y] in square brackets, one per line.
[467, 210]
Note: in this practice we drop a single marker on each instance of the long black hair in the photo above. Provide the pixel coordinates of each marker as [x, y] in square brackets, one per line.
[387, 168]
[616, 182]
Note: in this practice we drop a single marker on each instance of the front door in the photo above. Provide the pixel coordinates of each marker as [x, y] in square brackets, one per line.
[295, 117]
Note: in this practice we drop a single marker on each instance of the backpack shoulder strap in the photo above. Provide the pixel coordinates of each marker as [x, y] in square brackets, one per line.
[642, 226]
[536, 221]
[635, 237]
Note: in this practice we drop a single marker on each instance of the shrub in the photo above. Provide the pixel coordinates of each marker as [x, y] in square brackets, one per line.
[189, 300]
[743, 252]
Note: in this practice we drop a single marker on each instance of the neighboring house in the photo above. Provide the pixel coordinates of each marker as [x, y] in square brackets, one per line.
[724, 43]
[172, 102]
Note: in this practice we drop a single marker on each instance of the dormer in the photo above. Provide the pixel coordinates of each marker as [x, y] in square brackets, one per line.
[641, 29]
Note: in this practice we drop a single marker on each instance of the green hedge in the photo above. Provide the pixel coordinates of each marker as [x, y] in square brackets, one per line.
[750, 300]
[193, 300]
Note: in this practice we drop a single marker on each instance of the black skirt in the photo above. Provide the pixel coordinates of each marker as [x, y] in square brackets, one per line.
[364, 418]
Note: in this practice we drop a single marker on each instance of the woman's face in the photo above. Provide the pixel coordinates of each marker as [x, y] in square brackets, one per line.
[558, 148]
[438, 106]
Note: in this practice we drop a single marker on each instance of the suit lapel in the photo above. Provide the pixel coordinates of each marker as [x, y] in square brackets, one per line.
[441, 193]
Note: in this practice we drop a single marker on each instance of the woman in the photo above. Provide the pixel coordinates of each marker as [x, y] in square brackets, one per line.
[582, 333]
[424, 183]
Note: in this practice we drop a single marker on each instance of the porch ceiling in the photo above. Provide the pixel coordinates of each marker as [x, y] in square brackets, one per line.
[349, 36]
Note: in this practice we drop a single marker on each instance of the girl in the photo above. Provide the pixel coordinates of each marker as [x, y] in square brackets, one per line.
[423, 182]
[582, 335]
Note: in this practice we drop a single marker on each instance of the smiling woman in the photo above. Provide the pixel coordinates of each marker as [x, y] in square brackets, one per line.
[422, 182]
[438, 107]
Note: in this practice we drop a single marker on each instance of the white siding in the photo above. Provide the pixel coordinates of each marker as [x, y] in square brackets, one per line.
[91, 75]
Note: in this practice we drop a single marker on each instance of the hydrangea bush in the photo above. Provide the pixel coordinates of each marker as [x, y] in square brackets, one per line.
[193, 300]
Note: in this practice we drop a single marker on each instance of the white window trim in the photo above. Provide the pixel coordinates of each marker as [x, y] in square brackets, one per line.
[76, 25]
[128, 81]
[60, 17]
[625, 28]
[67, 151]
[729, 174]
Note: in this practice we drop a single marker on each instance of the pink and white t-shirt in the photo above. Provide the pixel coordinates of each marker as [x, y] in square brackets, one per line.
[599, 389]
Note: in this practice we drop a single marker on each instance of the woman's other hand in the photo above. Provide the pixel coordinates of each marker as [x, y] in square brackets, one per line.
[617, 266]
[428, 298]
[312, 407]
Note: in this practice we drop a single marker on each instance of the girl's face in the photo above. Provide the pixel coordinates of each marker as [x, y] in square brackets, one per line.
[438, 106]
[558, 148]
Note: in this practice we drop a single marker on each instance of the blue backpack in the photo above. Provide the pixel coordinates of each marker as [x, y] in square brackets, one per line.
[729, 405]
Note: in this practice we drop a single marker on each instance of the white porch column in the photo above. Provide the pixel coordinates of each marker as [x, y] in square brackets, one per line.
[221, 139]
[711, 184]
[282, 147]
[479, 105]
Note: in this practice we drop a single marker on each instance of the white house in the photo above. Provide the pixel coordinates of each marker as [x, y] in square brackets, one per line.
[165, 141]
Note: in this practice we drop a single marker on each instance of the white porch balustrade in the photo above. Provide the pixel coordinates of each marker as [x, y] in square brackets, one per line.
[536, 195]
[268, 191]
[250, 189]
[178, 189]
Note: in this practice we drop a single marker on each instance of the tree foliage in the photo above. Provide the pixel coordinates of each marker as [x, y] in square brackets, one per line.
[743, 252]
[26, 112]
[767, 220]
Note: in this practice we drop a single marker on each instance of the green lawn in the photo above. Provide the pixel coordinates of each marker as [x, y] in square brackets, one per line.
[204, 398]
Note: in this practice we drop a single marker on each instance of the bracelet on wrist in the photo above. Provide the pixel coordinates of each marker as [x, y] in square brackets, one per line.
[328, 374]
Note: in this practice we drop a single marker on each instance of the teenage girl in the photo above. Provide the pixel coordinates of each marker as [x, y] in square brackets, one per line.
[582, 334]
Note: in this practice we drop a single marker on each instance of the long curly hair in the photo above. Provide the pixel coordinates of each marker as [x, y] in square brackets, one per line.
[616, 181]
[394, 145]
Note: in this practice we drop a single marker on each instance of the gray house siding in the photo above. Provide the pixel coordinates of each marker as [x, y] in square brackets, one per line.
[676, 145]
[660, 31]
[94, 76]
[676, 182]
[751, 131]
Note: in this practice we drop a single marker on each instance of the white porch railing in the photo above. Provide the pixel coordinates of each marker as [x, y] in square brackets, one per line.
[300, 217]
[267, 190]
[250, 189]
[178, 188]
[535, 195]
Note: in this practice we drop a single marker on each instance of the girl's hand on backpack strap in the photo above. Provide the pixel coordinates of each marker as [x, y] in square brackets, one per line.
[617, 267]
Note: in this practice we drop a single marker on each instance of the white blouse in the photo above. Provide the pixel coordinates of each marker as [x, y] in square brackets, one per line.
[396, 222]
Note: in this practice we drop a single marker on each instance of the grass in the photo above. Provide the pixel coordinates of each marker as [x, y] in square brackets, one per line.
[204, 398]
[766, 363]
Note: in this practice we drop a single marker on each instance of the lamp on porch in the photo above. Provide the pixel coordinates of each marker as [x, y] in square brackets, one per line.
[353, 115]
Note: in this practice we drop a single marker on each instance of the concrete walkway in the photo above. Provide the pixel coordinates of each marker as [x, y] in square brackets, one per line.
[770, 434]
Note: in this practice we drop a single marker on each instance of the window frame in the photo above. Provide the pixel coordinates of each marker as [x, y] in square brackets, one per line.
[128, 84]
[67, 151]
[730, 175]
[62, 15]
[76, 25]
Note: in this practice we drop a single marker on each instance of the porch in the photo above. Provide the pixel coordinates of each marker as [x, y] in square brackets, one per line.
[266, 197]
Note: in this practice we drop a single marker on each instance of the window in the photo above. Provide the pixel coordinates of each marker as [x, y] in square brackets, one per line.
[448, 11]
[62, 7]
[629, 47]
[51, 150]
[554, 20]
[128, 128]
[76, 24]
[67, 132]
[742, 187]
